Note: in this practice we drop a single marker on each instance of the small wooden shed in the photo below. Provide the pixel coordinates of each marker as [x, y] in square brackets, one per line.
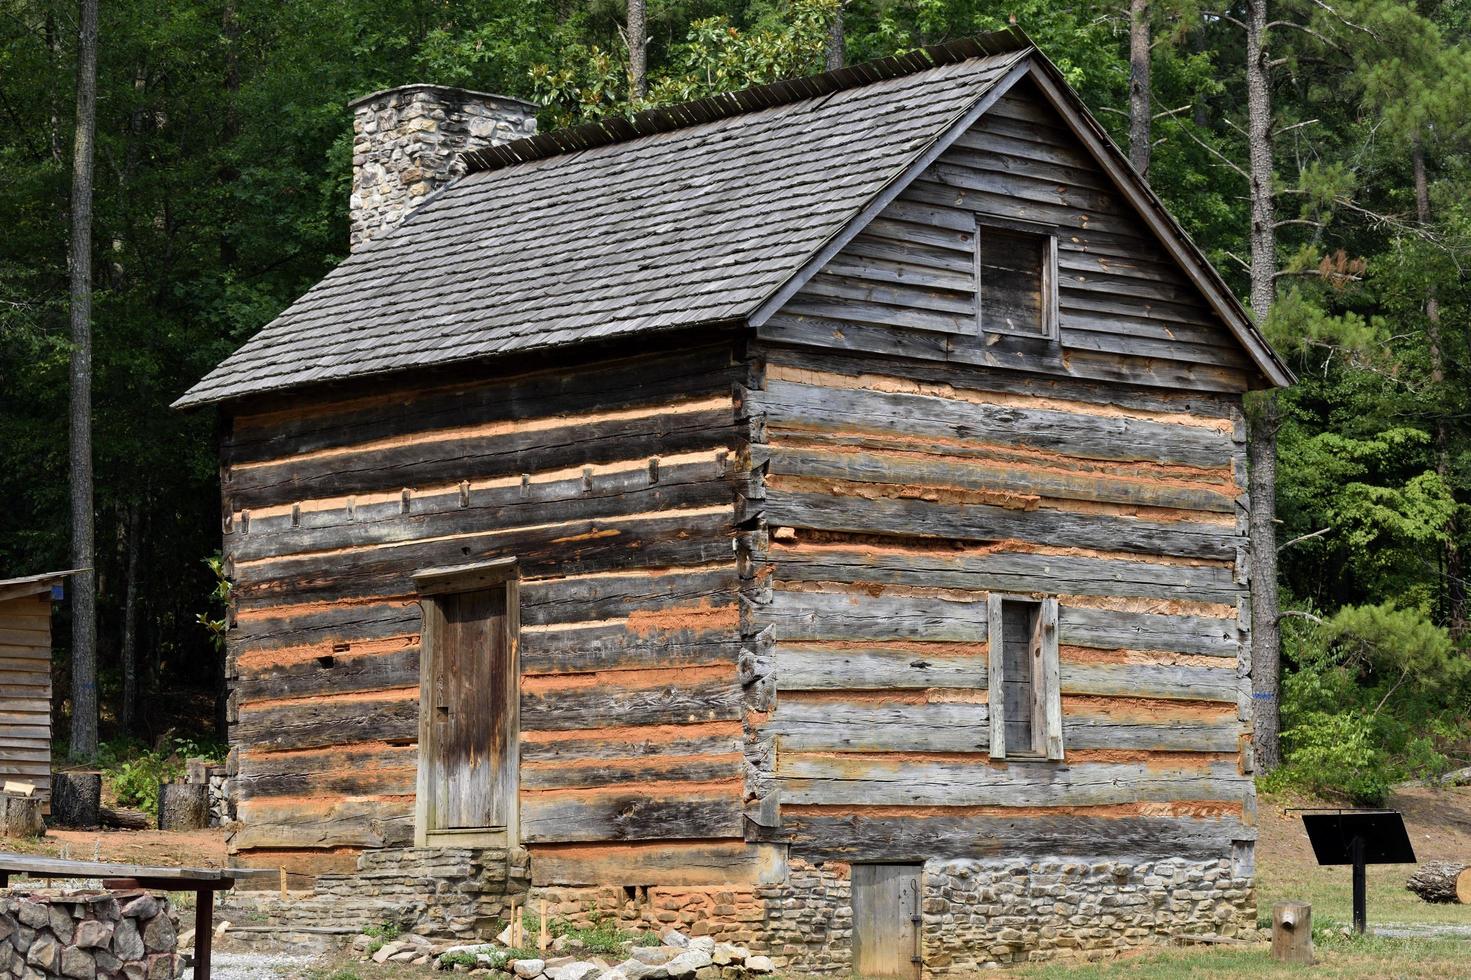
[25, 678]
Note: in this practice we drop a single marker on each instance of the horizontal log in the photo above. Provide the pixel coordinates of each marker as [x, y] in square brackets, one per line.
[1005, 353]
[683, 863]
[332, 674]
[346, 771]
[348, 823]
[914, 416]
[1151, 681]
[864, 780]
[614, 596]
[835, 726]
[628, 814]
[1111, 629]
[615, 773]
[856, 363]
[1005, 572]
[879, 467]
[617, 647]
[312, 723]
[606, 386]
[632, 742]
[505, 508]
[859, 616]
[678, 701]
[817, 668]
[449, 460]
[835, 836]
[676, 538]
[907, 517]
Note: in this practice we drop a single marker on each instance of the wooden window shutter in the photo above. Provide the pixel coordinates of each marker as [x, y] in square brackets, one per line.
[995, 676]
[1050, 681]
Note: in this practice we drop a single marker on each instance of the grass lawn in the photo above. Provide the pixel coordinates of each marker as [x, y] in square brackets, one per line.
[1439, 823]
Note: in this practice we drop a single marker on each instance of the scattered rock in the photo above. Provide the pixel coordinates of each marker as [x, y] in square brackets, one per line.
[580, 970]
[186, 939]
[673, 937]
[657, 955]
[704, 944]
[387, 950]
[526, 969]
[636, 970]
[686, 963]
[759, 964]
[725, 954]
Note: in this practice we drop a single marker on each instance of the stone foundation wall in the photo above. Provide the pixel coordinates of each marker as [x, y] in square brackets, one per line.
[92, 935]
[450, 892]
[213, 775]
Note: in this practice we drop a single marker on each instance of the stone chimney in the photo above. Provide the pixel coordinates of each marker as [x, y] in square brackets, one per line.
[407, 143]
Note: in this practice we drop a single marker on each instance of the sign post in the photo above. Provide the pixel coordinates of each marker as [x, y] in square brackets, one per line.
[1358, 838]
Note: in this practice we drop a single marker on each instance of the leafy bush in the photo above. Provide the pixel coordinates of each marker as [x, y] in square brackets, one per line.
[1378, 694]
[133, 772]
[598, 936]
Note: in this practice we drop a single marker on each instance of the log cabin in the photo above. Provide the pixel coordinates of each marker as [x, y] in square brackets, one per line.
[813, 516]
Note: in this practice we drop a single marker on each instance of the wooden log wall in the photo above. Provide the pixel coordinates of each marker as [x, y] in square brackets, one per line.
[907, 467]
[25, 691]
[613, 485]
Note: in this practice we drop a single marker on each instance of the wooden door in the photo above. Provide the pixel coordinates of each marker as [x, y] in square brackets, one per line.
[471, 712]
[886, 920]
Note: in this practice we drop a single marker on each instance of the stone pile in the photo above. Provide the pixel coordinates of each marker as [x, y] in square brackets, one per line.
[677, 958]
[121, 935]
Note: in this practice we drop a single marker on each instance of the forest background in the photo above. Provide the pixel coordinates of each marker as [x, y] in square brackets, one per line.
[223, 151]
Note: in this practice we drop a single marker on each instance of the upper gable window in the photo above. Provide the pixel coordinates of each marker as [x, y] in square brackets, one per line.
[1016, 273]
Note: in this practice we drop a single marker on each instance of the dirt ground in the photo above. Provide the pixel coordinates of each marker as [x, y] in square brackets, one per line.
[196, 849]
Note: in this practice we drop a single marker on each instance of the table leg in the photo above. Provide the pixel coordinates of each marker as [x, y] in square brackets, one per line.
[204, 932]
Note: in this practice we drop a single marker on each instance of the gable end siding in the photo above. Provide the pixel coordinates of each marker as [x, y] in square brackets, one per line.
[904, 284]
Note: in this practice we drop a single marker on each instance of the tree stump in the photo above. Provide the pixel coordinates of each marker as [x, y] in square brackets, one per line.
[76, 799]
[183, 806]
[1442, 881]
[20, 816]
[1292, 932]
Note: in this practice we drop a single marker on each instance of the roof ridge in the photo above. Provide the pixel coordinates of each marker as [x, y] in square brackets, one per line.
[619, 129]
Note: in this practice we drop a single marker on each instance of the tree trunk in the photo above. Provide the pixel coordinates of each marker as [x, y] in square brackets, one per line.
[1442, 881]
[84, 582]
[836, 43]
[1453, 587]
[638, 50]
[1140, 94]
[76, 799]
[1266, 634]
[183, 806]
[130, 624]
[20, 816]
[125, 818]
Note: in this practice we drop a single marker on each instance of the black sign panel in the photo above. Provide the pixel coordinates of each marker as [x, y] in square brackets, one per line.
[1385, 840]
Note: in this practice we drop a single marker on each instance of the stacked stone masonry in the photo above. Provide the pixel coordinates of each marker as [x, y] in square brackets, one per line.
[128, 935]
[975, 914]
[454, 892]
[407, 143]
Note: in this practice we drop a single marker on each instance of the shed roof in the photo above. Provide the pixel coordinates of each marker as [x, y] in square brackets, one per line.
[29, 585]
[699, 213]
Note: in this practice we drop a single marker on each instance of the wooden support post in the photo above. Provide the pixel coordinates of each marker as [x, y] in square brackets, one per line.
[204, 915]
[283, 884]
[1361, 896]
[1292, 932]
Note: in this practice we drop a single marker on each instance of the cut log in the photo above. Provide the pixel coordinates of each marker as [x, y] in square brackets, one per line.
[76, 799]
[183, 806]
[20, 816]
[1292, 932]
[1442, 881]
[125, 818]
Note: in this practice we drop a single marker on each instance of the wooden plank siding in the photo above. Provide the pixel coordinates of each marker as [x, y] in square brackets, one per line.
[906, 284]
[613, 484]
[25, 691]
[907, 466]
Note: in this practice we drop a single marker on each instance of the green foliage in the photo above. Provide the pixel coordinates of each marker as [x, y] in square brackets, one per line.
[1379, 694]
[133, 772]
[599, 935]
[495, 959]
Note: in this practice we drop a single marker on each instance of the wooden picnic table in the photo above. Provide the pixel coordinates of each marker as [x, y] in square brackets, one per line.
[204, 882]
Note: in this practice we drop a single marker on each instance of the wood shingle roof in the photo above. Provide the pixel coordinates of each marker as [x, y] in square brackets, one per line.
[646, 228]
